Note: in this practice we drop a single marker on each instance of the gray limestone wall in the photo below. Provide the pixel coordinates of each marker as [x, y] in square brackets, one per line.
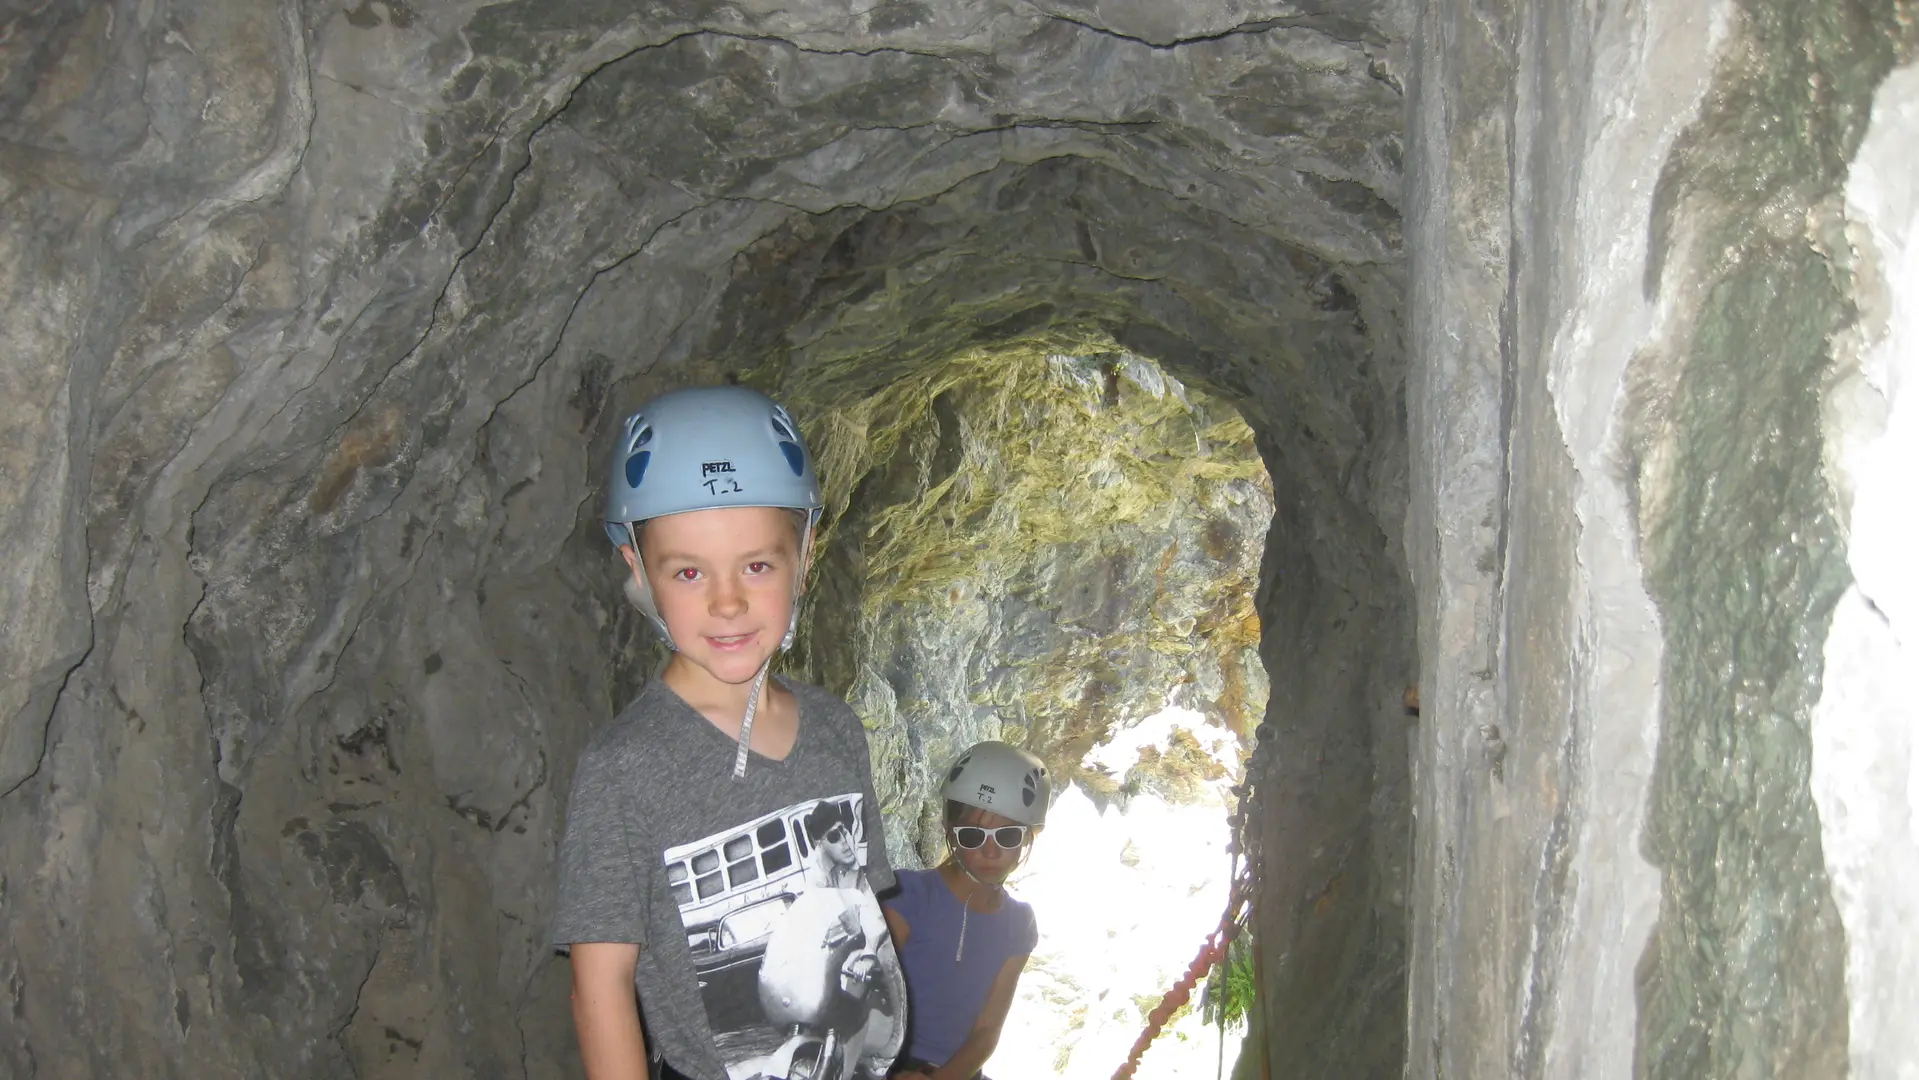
[1539, 702]
[1631, 292]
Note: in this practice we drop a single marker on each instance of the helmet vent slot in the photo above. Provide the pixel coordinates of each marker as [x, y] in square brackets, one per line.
[636, 467]
[795, 457]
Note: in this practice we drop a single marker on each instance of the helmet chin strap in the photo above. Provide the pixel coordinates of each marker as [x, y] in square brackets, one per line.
[746, 725]
[799, 583]
[641, 593]
[759, 681]
[961, 863]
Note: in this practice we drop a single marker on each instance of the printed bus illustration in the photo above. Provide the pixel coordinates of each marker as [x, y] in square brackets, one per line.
[733, 888]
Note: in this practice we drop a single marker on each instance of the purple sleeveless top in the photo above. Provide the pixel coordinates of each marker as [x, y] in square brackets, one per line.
[945, 997]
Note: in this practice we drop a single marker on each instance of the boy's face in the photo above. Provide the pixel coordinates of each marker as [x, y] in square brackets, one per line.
[723, 580]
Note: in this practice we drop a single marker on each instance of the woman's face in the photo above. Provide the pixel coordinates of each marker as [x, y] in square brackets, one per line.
[989, 862]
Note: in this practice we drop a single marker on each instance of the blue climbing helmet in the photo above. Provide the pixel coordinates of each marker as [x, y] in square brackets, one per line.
[702, 449]
[705, 448]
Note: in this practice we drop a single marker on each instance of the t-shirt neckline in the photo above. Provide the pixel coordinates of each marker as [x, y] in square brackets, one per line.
[754, 757]
[939, 882]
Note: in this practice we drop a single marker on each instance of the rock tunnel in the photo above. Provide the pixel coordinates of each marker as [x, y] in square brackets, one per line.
[1569, 336]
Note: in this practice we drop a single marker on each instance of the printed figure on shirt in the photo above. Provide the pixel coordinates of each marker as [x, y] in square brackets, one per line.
[786, 934]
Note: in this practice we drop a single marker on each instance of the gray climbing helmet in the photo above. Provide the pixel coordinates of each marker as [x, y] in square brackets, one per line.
[703, 449]
[1002, 778]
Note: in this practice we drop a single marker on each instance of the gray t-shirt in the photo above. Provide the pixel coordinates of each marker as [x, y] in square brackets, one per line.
[762, 945]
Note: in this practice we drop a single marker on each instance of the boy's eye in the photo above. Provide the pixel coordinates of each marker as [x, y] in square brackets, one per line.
[686, 573]
[758, 567]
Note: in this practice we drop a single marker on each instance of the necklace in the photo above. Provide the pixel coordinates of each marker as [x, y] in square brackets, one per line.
[966, 907]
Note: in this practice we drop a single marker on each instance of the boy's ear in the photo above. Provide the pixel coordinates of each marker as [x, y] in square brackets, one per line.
[632, 558]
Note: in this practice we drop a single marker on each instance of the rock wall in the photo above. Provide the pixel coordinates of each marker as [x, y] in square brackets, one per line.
[1539, 705]
[1630, 291]
[319, 317]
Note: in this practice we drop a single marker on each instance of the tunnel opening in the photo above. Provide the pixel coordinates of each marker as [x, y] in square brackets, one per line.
[856, 305]
[1163, 857]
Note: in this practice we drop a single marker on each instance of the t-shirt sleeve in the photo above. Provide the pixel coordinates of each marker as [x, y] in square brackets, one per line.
[1028, 937]
[910, 898]
[601, 895]
[879, 868]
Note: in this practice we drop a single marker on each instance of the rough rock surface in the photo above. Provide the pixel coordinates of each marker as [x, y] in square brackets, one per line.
[1629, 281]
[318, 317]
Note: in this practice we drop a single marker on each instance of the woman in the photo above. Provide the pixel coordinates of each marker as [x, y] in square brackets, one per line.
[962, 940]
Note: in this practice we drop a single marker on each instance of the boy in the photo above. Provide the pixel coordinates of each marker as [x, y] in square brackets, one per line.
[684, 871]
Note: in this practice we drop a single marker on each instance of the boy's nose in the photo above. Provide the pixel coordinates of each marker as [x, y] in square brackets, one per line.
[728, 599]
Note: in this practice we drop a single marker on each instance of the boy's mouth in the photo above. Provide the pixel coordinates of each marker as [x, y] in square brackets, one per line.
[732, 642]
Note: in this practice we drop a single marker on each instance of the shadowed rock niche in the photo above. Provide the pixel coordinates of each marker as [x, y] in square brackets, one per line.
[363, 292]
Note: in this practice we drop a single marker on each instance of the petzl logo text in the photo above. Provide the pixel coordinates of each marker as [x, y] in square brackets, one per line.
[710, 468]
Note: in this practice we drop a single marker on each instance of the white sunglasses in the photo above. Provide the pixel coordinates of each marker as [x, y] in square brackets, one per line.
[973, 837]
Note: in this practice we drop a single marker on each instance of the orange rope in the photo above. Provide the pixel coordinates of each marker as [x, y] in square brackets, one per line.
[1211, 952]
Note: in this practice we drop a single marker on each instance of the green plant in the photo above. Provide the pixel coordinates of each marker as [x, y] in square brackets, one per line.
[1231, 987]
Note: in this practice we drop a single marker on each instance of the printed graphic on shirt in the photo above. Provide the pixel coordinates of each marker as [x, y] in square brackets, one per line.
[796, 968]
